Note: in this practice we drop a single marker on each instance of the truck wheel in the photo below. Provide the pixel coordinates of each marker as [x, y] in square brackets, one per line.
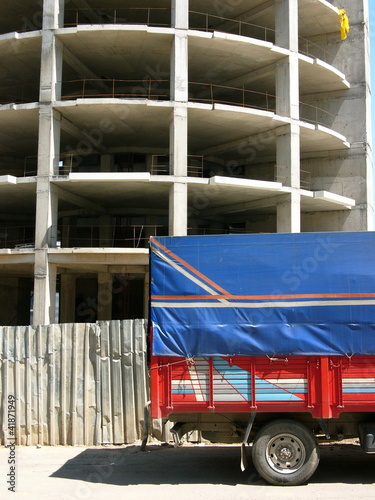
[285, 453]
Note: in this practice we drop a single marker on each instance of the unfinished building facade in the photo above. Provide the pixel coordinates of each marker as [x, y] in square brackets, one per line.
[120, 120]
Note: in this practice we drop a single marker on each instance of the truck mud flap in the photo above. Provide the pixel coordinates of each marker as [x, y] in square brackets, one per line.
[367, 437]
[244, 461]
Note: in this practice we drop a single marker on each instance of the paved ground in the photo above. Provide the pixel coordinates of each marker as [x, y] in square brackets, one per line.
[186, 473]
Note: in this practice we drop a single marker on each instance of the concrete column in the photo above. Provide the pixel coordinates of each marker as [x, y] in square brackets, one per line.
[178, 209]
[44, 289]
[287, 87]
[49, 141]
[180, 14]
[287, 104]
[288, 172]
[51, 68]
[287, 70]
[52, 51]
[68, 298]
[45, 220]
[286, 24]
[53, 14]
[48, 161]
[46, 215]
[104, 296]
[179, 88]
[288, 219]
[288, 155]
[178, 141]
[179, 67]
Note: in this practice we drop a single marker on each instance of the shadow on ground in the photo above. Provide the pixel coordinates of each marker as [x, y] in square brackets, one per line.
[204, 465]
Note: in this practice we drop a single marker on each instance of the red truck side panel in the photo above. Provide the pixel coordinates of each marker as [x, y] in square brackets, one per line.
[324, 386]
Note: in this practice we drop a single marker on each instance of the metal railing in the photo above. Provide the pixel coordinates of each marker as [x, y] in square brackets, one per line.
[315, 115]
[239, 96]
[312, 49]
[30, 166]
[160, 165]
[156, 89]
[161, 17]
[86, 236]
[198, 92]
[112, 236]
[67, 164]
[17, 236]
[202, 231]
[209, 22]
[19, 94]
[30, 22]
[281, 175]
[150, 16]
[116, 88]
[159, 90]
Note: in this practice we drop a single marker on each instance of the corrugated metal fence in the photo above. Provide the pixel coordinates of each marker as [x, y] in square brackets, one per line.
[74, 384]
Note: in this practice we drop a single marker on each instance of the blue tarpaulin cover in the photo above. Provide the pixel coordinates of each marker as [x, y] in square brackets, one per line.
[263, 294]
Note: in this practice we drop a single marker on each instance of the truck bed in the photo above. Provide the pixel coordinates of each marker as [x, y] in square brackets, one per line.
[265, 323]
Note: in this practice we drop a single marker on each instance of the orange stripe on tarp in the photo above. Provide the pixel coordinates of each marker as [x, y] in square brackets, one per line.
[191, 268]
[265, 297]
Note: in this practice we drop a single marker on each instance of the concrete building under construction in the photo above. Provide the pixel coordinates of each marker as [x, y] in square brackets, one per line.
[123, 119]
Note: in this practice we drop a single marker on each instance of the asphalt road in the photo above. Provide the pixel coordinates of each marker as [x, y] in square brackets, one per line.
[185, 473]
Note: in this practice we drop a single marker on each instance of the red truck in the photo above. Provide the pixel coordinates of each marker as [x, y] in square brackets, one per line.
[268, 340]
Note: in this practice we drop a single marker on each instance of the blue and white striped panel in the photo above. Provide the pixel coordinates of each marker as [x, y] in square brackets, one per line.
[182, 387]
[232, 383]
[279, 389]
[358, 385]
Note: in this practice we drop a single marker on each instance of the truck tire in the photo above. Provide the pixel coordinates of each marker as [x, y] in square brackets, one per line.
[285, 453]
